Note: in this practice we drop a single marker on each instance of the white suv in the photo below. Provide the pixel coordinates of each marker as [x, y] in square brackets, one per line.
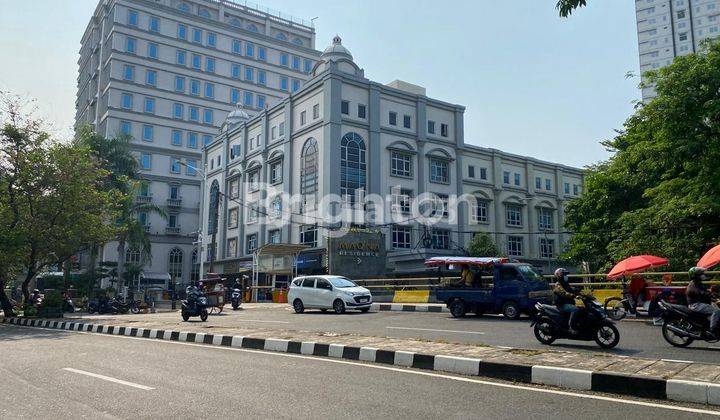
[328, 292]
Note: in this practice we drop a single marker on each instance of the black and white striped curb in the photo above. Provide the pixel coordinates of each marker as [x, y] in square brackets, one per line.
[404, 307]
[614, 383]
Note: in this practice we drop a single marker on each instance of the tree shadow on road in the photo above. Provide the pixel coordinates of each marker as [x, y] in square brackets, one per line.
[10, 333]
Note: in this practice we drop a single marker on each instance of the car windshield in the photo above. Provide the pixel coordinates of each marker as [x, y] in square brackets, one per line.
[529, 272]
[341, 282]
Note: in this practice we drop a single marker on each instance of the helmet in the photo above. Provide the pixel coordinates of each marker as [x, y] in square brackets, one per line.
[561, 272]
[36, 291]
[696, 273]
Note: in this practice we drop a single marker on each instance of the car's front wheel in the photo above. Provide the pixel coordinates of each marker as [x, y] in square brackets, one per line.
[339, 306]
[298, 306]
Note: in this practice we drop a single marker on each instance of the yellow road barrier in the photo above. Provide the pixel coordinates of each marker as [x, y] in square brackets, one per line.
[411, 296]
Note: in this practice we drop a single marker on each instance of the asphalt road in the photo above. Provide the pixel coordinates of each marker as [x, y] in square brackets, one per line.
[637, 339]
[58, 374]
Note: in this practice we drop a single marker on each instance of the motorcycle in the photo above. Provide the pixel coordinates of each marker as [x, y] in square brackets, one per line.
[124, 306]
[101, 306]
[198, 307]
[68, 305]
[236, 298]
[681, 326]
[592, 322]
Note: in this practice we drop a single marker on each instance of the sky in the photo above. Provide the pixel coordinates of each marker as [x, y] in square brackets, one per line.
[532, 83]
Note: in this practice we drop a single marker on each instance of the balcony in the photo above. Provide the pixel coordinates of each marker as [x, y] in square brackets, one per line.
[174, 202]
[170, 230]
[143, 199]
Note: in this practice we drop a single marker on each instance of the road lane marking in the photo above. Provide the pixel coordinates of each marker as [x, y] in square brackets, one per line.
[109, 379]
[528, 388]
[434, 330]
[259, 320]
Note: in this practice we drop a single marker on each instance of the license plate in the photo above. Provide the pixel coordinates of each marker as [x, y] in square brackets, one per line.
[364, 299]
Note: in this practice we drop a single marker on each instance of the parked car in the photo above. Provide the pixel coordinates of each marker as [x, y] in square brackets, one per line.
[328, 292]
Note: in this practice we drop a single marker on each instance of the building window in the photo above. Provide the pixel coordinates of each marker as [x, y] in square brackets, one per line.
[401, 237]
[307, 66]
[296, 63]
[576, 189]
[209, 90]
[182, 31]
[401, 200]
[547, 248]
[431, 127]
[176, 138]
[152, 50]
[506, 177]
[234, 96]
[440, 239]
[249, 49]
[179, 84]
[284, 83]
[181, 57]
[149, 105]
[444, 130]
[471, 171]
[235, 188]
[407, 123]
[146, 161]
[392, 118]
[154, 25]
[261, 101]
[252, 213]
[210, 65]
[281, 129]
[231, 248]
[197, 61]
[545, 218]
[517, 179]
[253, 178]
[353, 167]
[197, 36]
[683, 36]
[276, 169]
[538, 183]
[440, 206]
[439, 171]
[515, 246]
[175, 165]
[126, 128]
[130, 45]
[129, 72]
[400, 164]
[208, 116]
[283, 59]
[345, 107]
[148, 132]
[276, 208]
[251, 242]
[303, 118]
[548, 185]
[480, 213]
[248, 99]
[175, 264]
[132, 255]
[211, 39]
[513, 214]
[249, 74]
[295, 85]
[362, 111]
[262, 53]
[483, 173]
[194, 114]
[178, 111]
[262, 77]
[132, 18]
[308, 235]
[316, 111]
[275, 236]
[191, 167]
[567, 188]
[207, 139]
[151, 77]
[194, 87]
[309, 174]
[127, 101]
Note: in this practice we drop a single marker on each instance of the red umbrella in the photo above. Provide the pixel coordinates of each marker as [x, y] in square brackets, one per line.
[710, 259]
[635, 264]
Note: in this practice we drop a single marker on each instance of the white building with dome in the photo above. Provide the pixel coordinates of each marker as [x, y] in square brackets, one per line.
[342, 134]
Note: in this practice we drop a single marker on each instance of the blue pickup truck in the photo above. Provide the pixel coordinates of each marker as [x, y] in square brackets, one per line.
[499, 287]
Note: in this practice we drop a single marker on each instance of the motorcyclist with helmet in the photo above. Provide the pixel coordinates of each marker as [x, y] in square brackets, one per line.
[564, 295]
[700, 300]
[193, 292]
[35, 297]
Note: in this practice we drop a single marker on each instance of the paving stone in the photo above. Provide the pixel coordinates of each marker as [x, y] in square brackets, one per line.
[663, 369]
[700, 372]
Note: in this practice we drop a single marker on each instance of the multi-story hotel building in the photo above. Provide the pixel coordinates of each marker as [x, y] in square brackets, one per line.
[670, 28]
[345, 135]
[167, 72]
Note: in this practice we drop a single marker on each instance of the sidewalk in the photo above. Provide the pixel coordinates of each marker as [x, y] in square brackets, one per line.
[658, 379]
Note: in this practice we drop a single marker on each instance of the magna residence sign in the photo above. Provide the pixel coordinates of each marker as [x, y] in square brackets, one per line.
[359, 253]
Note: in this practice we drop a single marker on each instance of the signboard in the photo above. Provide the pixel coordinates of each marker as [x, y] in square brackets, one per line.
[359, 253]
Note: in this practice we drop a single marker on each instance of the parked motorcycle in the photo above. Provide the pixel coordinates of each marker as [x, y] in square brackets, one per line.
[592, 322]
[101, 306]
[68, 305]
[195, 307]
[236, 298]
[124, 306]
[681, 326]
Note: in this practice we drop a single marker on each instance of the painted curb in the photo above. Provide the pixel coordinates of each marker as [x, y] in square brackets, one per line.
[613, 383]
[404, 307]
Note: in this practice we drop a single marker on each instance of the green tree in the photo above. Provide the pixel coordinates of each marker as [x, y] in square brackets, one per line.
[482, 245]
[660, 191]
[566, 7]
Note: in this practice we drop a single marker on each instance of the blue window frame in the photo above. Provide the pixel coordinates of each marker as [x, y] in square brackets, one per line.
[208, 117]
[182, 31]
[248, 99]
[283, 83]
[151, 77]
[236, 71]
[296, 63]
[181, 57]
[249, 49]
[261, 101]
[194, 87]
[128, 72]
[154, 25]
[148, 132]
[207, 139]
[211, 39]
[194, 114]
[262, 77]
[209, 90]
[152, 50]
[192, 140]
[249, 74]
[132, 18]
[209, 65]
[197, 61]
[262, 53]
[197, 35]
[127, 101]
[149, 105]
[236, 46]
[175, 165]
[283, 59]
[307, 66]
[179, 84]
[178, 111]
[146, 161]
[126, 128]
[295, 85]
[176, 138]
[130, 45]
[190, 168]
[234, 96]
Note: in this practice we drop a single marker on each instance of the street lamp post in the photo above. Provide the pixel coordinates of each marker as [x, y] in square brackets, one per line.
[201, 230]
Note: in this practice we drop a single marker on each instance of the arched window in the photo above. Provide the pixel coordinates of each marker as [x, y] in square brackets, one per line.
[235, 22]
[252, 28]
[214, 207]
[175, 264]
[184, 7]
[297, 41]
[281, 36]
[132, 256]
[309, 173]
[204, 13]
[353, 168]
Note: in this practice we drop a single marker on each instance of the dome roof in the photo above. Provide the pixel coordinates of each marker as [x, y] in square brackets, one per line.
[336, 50]
[237, 116]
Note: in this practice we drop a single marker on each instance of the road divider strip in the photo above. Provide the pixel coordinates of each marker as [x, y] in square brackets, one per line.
[586, 380]
[400, 307]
